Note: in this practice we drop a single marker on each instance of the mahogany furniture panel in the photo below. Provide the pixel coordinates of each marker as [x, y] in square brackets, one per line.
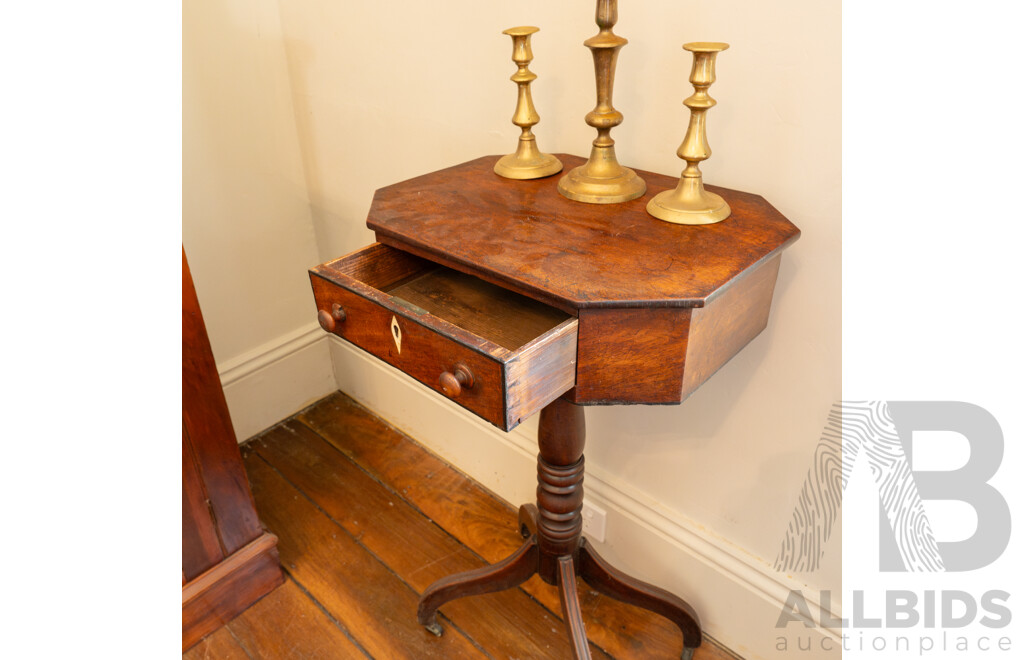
[630, 355]
[228, 561]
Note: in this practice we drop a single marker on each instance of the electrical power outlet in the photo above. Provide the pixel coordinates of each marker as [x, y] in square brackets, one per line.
[593, 521]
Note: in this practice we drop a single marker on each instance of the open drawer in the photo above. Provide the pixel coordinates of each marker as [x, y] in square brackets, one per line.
[497, 353]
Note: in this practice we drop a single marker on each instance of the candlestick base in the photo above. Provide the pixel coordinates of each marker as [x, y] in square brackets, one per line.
[689, 204]
[527, 163]
[584, 184]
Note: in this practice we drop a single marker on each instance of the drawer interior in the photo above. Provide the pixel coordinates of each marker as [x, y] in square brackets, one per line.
[506, 318]
[503, 317]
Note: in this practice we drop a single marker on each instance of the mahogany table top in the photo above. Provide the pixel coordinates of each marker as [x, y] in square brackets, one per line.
[525, 235]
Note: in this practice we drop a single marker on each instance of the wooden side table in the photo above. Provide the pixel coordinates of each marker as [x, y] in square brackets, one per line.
[510, 299]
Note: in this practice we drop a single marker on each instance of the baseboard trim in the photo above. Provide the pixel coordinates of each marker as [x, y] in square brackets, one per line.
[655, 543]
[277, 379]
[263, 356]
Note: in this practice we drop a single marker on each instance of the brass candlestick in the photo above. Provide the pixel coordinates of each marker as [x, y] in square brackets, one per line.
[527, 162]
[601, 180]
[689, 203]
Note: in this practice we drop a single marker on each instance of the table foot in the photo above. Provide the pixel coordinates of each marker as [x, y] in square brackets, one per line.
[528, 520]
[604, 578]
[510, 572]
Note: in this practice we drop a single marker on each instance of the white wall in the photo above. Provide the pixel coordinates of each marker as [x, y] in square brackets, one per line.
[698, 495]
[246, 226]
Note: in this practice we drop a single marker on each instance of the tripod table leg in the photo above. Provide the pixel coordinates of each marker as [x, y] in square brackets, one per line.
[571, 608]
[603, 577]
[507, 573]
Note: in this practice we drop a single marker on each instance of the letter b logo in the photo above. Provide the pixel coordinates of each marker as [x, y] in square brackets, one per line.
[967, 484]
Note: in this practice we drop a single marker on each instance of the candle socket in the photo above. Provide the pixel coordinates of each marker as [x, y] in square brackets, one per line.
[690, 203]
[601, 180]
[527, 162]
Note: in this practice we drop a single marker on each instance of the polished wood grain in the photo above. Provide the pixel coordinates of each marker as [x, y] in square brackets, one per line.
[727, 324]
[525, 236]
[206, 420]
[426, 321]
[200, 546]
[631, 355]
[635, 282]
[479, 521]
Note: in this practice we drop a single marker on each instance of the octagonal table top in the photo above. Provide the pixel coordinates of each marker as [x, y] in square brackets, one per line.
[524, 235]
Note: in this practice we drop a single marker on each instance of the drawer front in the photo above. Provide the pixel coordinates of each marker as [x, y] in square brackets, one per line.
[402, 337]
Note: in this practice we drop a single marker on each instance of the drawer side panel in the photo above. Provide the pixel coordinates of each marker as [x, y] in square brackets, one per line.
[542, 372]
[720, 330]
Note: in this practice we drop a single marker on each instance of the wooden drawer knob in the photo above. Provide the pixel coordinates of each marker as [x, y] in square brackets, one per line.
[452, 384]
[329, 320]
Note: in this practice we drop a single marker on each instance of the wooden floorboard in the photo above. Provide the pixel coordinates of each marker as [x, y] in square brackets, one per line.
[366, 520]
[288, 624]
[359, 591]
[506, 624]
[220, 645]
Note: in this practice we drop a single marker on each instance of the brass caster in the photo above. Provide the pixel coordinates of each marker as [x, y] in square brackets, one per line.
[437, 630]
[687, 653]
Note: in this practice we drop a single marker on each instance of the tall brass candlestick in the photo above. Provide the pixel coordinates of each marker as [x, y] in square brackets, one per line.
[527, 162]
[689, 203]
[601, 180]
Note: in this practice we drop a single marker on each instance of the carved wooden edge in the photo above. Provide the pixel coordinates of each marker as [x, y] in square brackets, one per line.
[223, 592]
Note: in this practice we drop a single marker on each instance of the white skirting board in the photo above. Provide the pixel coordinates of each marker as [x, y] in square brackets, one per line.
[738, 596]
[274, 381]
